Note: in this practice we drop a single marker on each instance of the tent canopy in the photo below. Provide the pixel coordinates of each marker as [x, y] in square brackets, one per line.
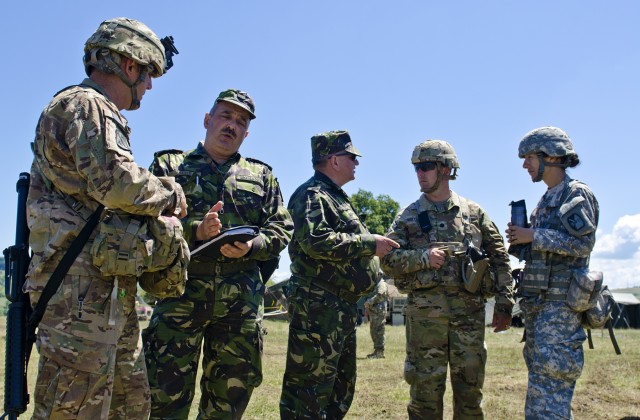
[625, 298]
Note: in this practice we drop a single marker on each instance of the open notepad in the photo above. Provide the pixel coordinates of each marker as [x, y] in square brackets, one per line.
[210, 250]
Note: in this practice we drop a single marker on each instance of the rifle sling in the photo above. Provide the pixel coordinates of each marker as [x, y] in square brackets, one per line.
[61, 270]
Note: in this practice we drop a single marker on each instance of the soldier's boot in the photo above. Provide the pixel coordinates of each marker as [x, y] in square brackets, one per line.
[377, 354]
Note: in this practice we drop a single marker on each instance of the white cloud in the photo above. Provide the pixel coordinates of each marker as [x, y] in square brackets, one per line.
[617, 254]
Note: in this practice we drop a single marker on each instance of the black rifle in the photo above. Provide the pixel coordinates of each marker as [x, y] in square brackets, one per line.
[19, 341]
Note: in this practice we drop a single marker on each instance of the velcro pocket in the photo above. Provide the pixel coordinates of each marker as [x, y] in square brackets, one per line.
[583, 289]
[536, 277]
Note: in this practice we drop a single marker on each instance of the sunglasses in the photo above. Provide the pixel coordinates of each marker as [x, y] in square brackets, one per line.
[351, 155]
[425, 166]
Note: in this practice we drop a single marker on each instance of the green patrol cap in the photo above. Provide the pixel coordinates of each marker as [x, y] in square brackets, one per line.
[330, 143]
[238, 97]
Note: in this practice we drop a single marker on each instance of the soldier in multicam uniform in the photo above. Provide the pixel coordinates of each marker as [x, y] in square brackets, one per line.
[222, 304]
[377, 308]
[91, 364]
[333, 264]
[559, 241]
[445, 322]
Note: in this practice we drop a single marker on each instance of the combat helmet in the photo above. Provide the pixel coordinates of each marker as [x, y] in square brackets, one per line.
[549, 140]
[132, 39]
[436, 151]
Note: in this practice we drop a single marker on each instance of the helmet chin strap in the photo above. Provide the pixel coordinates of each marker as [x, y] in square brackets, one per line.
[115, 68]
[135, 102]
[436, 185]
[541, 166]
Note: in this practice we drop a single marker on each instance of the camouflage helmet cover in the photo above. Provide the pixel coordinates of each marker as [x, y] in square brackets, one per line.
[132, 39]
[549, 140]
[435, 151]
[239, 98]
[331, 142]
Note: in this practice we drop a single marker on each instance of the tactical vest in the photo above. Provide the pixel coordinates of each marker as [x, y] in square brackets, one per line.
[450, 274]
[545, 273]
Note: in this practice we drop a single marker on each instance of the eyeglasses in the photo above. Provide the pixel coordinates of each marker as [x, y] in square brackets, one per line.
[425, 166]
[351, 155]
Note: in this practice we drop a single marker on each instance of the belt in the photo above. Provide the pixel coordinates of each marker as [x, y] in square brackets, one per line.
[340, 292]
[209, 269]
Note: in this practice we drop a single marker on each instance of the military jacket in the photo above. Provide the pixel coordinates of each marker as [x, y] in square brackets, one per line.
[82, 157]
[247, 187]
[330, 242]
[564, 223]
[445, 222]
[378, 302]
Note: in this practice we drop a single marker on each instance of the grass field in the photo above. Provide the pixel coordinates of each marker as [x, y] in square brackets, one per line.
[608, 389]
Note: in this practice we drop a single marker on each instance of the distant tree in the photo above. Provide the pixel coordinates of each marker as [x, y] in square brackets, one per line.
[378, 212]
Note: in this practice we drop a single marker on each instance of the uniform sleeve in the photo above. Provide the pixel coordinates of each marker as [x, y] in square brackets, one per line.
[403, 260]
[103, 155]
[277, 226]
[493, 245]
[381, 294]
[579, 216]
[314, 216]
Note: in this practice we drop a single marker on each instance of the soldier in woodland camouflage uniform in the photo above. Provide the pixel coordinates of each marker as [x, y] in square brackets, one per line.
[558, 242]
[222, 304]
[377, 308]
[445, 322]
[91, 364]
[333, 264]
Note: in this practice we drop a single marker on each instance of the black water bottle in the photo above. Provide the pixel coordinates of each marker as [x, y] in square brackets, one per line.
[519, 213]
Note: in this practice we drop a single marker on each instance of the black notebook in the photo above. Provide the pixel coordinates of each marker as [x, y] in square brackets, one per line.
[210, 250]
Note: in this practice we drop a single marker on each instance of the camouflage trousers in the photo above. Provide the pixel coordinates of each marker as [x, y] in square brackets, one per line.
[445, 328]
[221, 317]
[91, 361]
[554, 357]
[320, 375]
[377, 322]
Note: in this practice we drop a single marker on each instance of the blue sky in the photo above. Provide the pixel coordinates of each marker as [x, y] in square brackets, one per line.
[478, 74]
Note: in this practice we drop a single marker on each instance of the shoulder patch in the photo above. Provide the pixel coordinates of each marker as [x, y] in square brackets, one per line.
[576, 222]
[573, 216]
[252, 160]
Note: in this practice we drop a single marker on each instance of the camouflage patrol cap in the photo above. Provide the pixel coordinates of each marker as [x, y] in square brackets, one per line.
[132, 39]
[549, 140]
[330, 143]
[240, 98]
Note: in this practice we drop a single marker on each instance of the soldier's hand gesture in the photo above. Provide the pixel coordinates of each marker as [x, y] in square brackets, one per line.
[384, 245]
[210, 224]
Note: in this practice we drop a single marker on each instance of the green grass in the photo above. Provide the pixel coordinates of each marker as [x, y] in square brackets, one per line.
[608, 389]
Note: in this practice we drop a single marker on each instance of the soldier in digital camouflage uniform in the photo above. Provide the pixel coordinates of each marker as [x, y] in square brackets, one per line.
[91, 364]
[377, 308]
[444, 321]
[222, 304]
[559, 241]
[333, 264]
